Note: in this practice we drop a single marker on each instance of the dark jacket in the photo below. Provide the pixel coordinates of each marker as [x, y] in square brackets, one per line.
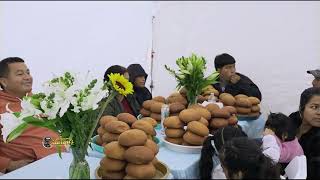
[296, 119]
[141, 94]
[243, 86]
[310, 143]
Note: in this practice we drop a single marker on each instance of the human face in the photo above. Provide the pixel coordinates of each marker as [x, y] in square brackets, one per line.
[126, 75]
[227, 71]
[316, 82]
[19, 80]
[311, 113]
[140, 81]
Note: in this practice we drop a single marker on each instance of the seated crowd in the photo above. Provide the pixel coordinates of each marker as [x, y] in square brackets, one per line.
[228, 153]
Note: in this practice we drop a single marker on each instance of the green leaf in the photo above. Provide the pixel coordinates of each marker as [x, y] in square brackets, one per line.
[17, 131]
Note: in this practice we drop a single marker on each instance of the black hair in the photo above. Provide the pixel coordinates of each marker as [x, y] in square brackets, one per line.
[4, 66]
[281, 125]
[245, 155]
[219, 137]
[136, 70]
[305, 97]
[114, 69]
[222, 60]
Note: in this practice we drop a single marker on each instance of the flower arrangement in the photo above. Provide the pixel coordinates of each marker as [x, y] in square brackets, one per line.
[191, 76]
[72, 107]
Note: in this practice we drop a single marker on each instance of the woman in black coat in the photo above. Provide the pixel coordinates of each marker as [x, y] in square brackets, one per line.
[138, 77]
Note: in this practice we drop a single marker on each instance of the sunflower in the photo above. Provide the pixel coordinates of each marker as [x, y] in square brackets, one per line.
[121, 84]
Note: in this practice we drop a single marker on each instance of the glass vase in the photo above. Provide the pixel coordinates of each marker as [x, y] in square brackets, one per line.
[79, 167]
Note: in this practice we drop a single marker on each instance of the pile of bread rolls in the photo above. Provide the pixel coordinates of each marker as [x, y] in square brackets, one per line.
[206, 92]
[152, 108]
[222, 117]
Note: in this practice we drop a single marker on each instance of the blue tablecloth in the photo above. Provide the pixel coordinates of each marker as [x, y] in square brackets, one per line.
[253, 128]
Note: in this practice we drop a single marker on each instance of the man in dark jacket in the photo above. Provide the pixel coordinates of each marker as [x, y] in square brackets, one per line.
[232, 82]
[138, 78]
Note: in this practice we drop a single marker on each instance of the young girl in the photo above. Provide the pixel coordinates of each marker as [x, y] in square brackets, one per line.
[242, 158]
[209, 165]
[279, 141]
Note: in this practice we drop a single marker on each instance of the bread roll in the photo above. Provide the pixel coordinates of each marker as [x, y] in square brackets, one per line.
[204, 113]
[150, 120]
[254, 100]
[193, 139]
[127, 118]
[109, 164]
[240, 96]
[173, 122]
[174, 133]
[230, 109]
[114, 150]
[139, 155]
[159, 99]
[101, 131]
[255, 108]
[147, 104]
[204, 121]
[143, 171]
[112, 174]
[144, 126]
[156, 116]
[243, 102]
[228, 100]
[218, 123]
[156, 107]
[152, 145]
[174, 140]
[212, 107]
[221, 113]
[233, 120]
[116, 127]
[155, 161]
[242, 110]
[254, 114]
[106, 119]
[189, 115]
[133, 137]
[99, 140]
[109, 137]
[176, 107]
[198, 128]
[223, 94]
[177, 97]
[144, 112]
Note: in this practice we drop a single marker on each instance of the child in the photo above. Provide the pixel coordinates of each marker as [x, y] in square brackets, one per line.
[279, 141]
[209, 165]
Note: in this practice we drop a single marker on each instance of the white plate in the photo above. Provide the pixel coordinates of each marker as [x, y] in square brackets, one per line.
[181, 148]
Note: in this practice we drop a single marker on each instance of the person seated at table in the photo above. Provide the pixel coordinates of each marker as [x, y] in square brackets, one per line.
[295, 116]
[279, 141]
[309, 130]
[209, 165]
[138, 77]
[16, 82]
[231, 81]
[242, 158]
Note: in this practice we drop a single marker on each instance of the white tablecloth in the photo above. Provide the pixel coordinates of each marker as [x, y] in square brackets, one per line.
[50, 167]
[253, 128]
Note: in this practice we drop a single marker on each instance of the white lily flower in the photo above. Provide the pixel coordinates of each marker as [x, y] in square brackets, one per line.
[9, 123]
[28, 109]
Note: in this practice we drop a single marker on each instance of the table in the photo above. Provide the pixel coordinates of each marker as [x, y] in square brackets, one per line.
[50, 167]
[253, 128]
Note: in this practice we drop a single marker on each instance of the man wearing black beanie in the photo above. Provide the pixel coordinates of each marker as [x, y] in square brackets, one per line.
[232, 82]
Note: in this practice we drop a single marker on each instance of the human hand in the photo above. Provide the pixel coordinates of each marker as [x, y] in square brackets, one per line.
[234, 79]
[13, 165]
[268, 131]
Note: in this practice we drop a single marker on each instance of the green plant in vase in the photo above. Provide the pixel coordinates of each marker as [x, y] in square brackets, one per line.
[72, 107]
[191, 76]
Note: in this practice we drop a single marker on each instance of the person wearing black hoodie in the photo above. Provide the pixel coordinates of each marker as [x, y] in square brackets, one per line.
[232, 82]
[138, 77]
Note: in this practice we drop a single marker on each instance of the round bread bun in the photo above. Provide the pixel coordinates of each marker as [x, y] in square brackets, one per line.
[145, 112]
[174, 140]
[255, 108]
[112, 174]
[204, 113]
[109, 137]
[133, 137]
[193, 139]
[99, 140]
[174, 114]
[114, 150]
[147, 104]
[198, 128]
[127, 118]
[173, 122]
[176, 107]
[152, 145]
[254, 100]
[156, 107]
[242, 110]
[101, 131]
[144, 126]
[233, 120]
[218, 123]
[143, 171]
[230, 109]
[189, 115]
[155, 161]
[221, 113]
[106, 119]
[228, 100]
[254, 114]
[174, 133]
[150, 120]
[156, 116]
[241, 96]
[243, 102]
[116, 127]
[223, 94]
[177, 97]
[139, 155]
[159, 99]
[212, 107]
[204, 121]
[186, 144]
[109, 164]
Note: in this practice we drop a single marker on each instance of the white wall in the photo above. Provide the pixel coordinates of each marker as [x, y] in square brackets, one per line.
[57, 36]
[274, 43]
